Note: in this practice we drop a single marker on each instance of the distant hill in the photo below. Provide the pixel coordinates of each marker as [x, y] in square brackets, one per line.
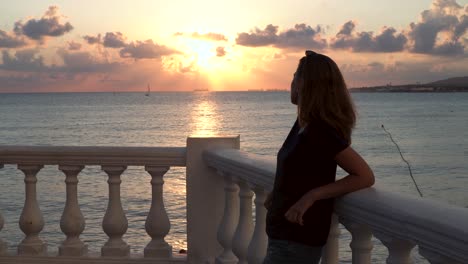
[451, 82]
[456, 84]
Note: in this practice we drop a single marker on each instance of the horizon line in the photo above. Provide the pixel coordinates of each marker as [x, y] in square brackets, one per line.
[142, 92]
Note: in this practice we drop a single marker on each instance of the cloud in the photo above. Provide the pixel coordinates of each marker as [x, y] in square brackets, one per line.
[84, 62]
[93, 40]
[73, 62]
[145, 50]
[110, 40]
[301, 36]
[462, 26]
[376, 64]
[209, 36]
[8, 40]
[397, 69]
[184, 68]
[206, 36]
[27, 72]
[23, 61]
[220, 52]
[448, 48]
[440, 31]
[72, 45]
[443, 17]
[52, 11]
[347, 29]
[387, 41]
[114, 40]
[258, 37]
[48, 26]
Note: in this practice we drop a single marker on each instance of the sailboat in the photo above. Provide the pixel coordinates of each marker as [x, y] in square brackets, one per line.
[148, 92]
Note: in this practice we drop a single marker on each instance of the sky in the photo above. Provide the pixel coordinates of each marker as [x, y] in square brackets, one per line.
[181, 45]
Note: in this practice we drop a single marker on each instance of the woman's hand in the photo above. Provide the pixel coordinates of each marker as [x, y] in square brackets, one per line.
[296, 213]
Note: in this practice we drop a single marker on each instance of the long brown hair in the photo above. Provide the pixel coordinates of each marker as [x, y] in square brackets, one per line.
[323, 94]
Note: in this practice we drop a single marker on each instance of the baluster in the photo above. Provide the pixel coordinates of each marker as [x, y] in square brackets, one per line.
[72, 222]
[399, 250]
[258, 244]
[115, 222]
[3, 244]
[229, 221]
[31, 221]
[434, 257]
[157, 223]
[361, 244]
[244, 229]
[330, 251]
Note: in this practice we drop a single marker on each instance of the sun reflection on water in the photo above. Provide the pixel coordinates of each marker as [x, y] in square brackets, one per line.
[205, 121]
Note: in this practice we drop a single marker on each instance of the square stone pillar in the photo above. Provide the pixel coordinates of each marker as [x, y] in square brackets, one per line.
[205, 198]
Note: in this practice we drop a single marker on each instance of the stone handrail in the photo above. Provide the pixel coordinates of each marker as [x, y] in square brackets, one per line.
[82, 155]
[256, 169]
[435, 227]
[399, 221]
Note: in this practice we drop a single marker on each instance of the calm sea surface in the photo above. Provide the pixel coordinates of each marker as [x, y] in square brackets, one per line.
[430, 128]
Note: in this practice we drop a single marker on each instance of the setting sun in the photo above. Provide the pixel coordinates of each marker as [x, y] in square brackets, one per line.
[208, 58]
[203, 53]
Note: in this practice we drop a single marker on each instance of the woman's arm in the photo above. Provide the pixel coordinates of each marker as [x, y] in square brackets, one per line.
[360, 176]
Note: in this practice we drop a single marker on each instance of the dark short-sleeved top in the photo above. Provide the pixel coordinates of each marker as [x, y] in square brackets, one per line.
[305, 161]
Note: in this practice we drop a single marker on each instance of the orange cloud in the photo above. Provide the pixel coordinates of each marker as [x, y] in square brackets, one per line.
[206, 36]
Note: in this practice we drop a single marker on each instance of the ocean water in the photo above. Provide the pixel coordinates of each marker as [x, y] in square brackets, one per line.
[430, 128]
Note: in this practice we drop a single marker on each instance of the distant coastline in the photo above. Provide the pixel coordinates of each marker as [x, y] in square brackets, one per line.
[451, 85]
[408, 89]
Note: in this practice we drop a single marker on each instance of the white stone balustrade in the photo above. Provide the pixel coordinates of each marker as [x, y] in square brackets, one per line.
[221, 182]
[71, 161]
[399, 221]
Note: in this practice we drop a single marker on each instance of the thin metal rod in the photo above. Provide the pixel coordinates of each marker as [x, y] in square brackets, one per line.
[403, 158]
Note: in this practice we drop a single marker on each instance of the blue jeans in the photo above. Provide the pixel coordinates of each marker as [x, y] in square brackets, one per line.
[284, 251]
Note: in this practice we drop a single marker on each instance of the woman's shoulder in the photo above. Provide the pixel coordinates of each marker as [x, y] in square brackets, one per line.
[316, 127]
[321, 132]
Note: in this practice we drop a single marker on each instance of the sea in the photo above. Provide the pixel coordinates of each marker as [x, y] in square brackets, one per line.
[430, 130]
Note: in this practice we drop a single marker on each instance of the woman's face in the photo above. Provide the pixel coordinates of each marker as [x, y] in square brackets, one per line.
[295, 89]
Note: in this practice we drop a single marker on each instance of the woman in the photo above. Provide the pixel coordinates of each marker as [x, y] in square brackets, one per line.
[301, 203]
